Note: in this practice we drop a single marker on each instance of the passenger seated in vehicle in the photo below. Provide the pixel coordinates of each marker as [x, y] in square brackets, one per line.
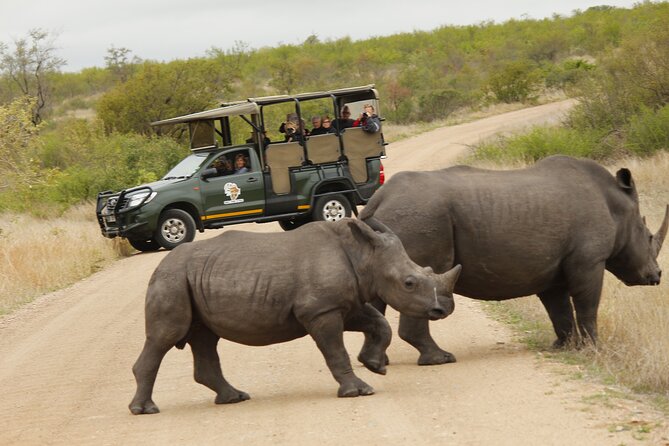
[293, 133]
[318, 129]
[241, 164]
[327, 124]
[292, 117]
[368, 120]
[223, 165]
[344, 121]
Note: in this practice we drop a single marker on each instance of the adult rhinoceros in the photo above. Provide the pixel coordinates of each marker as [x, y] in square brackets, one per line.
[551, 230]
[260, 289]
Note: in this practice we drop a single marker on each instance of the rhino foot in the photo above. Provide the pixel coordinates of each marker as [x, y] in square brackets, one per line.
[376, 365]
[354, 388]
[234, 396]
[148, 407]
[436, 357]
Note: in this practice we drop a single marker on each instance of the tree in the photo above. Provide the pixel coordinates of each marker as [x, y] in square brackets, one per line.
[30, 65]
[18, 139]
[118, 64]
[158, 91]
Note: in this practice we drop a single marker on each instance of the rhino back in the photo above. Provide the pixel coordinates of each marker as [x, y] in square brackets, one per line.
[253, 288]
[511, 230]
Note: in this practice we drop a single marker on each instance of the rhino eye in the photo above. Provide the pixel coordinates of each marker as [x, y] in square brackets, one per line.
[410, 283]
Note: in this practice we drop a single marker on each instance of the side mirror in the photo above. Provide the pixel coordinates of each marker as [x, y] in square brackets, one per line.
[208, 173]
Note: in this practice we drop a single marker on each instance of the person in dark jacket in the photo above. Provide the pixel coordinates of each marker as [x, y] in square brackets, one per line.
[344, 121]
[318, 128]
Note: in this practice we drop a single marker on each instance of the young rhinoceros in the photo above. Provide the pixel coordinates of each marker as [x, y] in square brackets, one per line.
[266, 288]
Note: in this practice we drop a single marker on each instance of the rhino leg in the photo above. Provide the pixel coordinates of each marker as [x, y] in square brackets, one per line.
[168, 317]
[208, 366]
[559, 308]
[586, 291]
[327, 330]
[145, 371]
[377, 337]
[417, 333]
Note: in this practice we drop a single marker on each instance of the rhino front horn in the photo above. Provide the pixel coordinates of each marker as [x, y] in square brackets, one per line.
[659, 236]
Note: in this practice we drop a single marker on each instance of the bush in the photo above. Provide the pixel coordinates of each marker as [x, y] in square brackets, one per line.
[648, 131]
[541, 142]
[516, 81]
[439, 104]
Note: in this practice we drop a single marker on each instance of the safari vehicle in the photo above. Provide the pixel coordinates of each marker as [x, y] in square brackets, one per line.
[320, 177]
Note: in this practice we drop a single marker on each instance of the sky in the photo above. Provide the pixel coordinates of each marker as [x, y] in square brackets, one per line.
[165, 30]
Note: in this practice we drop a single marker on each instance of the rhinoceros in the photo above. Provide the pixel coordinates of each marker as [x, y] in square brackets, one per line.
[551, 229]
[266, 288]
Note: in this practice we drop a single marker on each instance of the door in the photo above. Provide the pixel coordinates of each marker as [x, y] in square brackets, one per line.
[237, 191]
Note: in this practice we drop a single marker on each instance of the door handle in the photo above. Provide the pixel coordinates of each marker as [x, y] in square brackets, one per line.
[252, 180]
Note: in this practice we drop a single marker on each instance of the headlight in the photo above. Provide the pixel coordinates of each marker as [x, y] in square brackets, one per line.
[136, 199]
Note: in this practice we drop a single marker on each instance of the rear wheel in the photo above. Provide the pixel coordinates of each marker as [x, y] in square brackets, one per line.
[332, 208]
[144, 245]
[175, 227]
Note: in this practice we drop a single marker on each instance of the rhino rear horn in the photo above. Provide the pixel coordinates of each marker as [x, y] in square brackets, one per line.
[658, 237]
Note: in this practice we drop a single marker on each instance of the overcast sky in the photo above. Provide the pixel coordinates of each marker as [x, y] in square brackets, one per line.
[178, 29]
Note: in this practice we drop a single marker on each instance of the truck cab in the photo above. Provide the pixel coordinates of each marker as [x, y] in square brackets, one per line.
[256, 161]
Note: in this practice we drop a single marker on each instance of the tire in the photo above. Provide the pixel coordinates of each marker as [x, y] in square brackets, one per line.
[149, 245]
[332, 208]
[289, 225]
[175, 227]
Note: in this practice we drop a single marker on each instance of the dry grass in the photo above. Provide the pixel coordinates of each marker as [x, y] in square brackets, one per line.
[633, 346]
[38, 256]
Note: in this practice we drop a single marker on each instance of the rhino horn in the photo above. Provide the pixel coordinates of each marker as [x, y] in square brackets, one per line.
[376, 225]
[447, 280]
[659, 236]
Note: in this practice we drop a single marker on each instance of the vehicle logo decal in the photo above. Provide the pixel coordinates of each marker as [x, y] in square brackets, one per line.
[233, 191]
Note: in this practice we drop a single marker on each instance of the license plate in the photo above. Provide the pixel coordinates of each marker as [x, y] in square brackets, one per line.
[111, 219]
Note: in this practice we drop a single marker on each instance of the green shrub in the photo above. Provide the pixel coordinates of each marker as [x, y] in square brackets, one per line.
[648, 131]
[439, 104]
[516, 81]
[541, 142]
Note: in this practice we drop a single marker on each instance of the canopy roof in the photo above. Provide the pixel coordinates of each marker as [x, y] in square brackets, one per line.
[252, 105]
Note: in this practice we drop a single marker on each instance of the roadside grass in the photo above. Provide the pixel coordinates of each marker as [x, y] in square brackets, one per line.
[40, 255]
[633, 347]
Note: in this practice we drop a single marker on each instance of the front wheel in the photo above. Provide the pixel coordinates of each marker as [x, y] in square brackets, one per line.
[332, 208]
[149, 245]
[175, 227]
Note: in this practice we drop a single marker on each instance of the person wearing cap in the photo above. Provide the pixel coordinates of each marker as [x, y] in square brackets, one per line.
[344, 120]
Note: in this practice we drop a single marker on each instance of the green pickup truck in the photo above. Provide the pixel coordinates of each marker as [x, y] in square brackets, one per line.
[255, 161]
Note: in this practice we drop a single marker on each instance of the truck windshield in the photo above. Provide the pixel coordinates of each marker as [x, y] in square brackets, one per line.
[187, 167]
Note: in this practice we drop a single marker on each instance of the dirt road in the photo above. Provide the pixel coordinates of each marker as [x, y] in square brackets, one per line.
[65, 368]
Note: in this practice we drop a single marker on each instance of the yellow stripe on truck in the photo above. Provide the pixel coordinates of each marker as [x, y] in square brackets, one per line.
[303, 207]
[231, 214]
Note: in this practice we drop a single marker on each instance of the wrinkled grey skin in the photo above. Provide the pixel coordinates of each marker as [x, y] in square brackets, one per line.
[261, 289]
[551, 230]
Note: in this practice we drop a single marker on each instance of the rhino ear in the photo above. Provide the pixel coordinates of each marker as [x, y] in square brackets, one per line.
[376, 225]
[363, 233]
[624, 179]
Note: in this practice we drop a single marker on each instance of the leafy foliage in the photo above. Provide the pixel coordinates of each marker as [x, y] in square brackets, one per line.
[158, 91]
[18, 139]
[613, 59]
